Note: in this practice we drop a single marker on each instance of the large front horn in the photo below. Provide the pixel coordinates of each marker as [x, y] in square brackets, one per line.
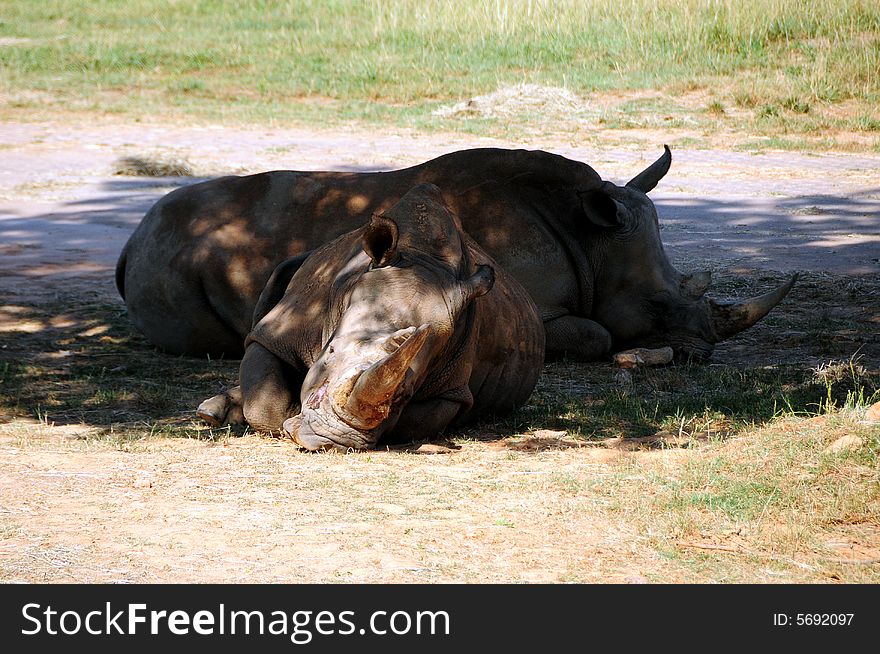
[733, 317]
[370, 399]
[646, 180]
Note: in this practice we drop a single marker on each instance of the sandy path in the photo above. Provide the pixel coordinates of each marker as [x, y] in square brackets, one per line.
[64, 214]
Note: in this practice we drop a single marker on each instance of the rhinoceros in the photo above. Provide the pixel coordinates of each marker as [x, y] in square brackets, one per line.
[394, 330]
[587, 251]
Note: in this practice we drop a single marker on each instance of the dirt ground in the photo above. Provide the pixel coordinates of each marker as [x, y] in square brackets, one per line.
[79, 505]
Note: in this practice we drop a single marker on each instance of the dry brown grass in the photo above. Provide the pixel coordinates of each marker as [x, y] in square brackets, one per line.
[80, 508]
[153, 167]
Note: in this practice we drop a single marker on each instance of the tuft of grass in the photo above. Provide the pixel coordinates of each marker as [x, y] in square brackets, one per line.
[746, 99]
[153, 167]
[716, 108]
[768, 111]
[867, 123]
[797, 105]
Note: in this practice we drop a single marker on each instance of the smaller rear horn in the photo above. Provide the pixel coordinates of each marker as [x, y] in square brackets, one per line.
[646, 180]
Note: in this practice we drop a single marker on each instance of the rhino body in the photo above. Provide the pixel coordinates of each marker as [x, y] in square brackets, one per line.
[392, 331]
[587, 251]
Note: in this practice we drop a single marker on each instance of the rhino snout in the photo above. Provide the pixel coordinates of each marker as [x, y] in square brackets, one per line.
[694, 353]
[305, 438]
[315, 430]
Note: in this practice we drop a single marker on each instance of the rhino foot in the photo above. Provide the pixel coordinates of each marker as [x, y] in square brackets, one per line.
[223, 409]
[578, 339]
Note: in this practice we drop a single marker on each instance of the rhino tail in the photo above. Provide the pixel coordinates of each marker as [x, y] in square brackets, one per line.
[120, 272]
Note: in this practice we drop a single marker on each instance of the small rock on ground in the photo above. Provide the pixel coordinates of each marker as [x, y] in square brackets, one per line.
[848, 442]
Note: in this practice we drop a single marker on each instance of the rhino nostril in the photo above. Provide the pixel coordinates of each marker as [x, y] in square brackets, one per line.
[313, 401]
[304, 436]
[291, 426]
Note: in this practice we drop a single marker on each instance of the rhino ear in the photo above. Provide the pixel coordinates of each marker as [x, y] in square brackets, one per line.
[695, 286]
[380, 240]
[600, 209]
[481, 282]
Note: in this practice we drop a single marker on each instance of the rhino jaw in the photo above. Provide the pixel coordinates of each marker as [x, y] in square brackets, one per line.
[730, 318]
[306, 438]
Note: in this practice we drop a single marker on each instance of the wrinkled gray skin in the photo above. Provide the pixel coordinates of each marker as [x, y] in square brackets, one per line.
[393, 331]
[587, 251]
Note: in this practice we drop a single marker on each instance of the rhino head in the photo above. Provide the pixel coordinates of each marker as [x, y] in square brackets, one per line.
[639, 296]
[397, 314]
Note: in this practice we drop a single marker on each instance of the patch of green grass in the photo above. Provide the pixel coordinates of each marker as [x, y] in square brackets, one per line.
[867, 123]
[768, 111]
[784, 470]
[729, 493]
[798, 105]
[322, 62]
[776, 143]
[715, 108]
[690, 401]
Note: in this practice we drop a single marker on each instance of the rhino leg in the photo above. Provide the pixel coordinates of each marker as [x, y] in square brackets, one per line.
[223, 409]
[580, 339]
[269, 389]
[423, 418]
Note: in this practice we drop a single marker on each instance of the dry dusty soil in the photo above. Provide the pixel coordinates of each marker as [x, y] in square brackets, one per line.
[127, 489]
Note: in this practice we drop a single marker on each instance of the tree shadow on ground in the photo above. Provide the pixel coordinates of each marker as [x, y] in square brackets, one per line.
[82, 363]
[74, 357]
[811, 232]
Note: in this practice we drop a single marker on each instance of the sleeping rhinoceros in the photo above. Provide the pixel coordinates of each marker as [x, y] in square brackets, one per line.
[587, 251]
[394, 330]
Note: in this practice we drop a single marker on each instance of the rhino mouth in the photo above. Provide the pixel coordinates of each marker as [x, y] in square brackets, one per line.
[323, 425]
[318, 430]
[695, 353]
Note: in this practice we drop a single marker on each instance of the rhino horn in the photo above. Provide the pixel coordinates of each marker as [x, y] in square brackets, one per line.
[646, 180]
[371, 396]
[733, 317]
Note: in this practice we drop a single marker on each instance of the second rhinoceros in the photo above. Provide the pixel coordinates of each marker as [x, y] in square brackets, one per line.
[392, 331]
[587, 251]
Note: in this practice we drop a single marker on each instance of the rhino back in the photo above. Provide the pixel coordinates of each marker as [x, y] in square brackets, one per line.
[202, 254]
[266, 218]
